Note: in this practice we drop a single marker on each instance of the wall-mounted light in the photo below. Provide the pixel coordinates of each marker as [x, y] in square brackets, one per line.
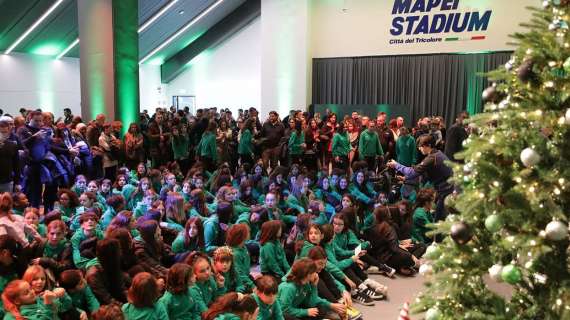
[181, 31]
[34, 26]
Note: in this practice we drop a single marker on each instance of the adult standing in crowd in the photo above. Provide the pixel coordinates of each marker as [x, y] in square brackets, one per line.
[9, 161]
[456, 134]
[271, 133]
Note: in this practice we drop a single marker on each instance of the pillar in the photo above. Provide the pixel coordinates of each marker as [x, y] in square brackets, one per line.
[285, 56]
[109, 59]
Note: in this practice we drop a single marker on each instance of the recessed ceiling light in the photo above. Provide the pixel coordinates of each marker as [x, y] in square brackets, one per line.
[181, 12]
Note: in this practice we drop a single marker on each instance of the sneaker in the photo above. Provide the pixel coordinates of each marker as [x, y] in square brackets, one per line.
[353, 313]
[376, 286]
[373, 270]
[362, 299]
[387, 271]
[373, 294]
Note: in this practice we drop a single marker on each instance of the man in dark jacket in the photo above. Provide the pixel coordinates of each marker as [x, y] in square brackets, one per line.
[9, 162]
[271, 132]
[434, 169]
[455, 137]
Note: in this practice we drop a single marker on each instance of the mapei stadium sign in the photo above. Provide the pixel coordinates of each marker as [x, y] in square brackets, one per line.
[429, 21]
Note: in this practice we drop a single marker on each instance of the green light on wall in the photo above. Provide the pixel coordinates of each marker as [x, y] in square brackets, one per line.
[47, 50]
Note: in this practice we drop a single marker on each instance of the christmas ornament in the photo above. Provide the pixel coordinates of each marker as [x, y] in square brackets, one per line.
[495, 272]
[433, 251]
[556, 231]
[405, 312]
[426, 269]
[509, 65]
[529, 157]
[433, 314]
[524, 72]
[461, 232]
[493, 223]
[511, 274]
[491, 94]
[558, 24]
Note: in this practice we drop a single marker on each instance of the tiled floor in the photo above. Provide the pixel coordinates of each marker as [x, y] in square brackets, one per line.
[400, 290]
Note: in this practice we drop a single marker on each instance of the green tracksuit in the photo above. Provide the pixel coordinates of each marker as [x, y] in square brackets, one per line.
[242, 264]
[421, 219]
[78, 236]
[268, 312]
[84, 300]
[296, 299]
[180, 306]
[272, 259]
[245, 146]
[369, 145]
[406, 150]
[178, 245]
[205, 292]
[207, 146]
[340, 145]
[295, 141]
[156, 312]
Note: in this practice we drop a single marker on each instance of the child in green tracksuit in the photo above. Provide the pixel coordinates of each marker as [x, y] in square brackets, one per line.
[21, 302]
[81, 295]
[236, 238]
[298, 294]
[143, 299]
[265, 294]
[223, 265]
[208, 286]
[272, 260]
[88, 230]
[178, 300]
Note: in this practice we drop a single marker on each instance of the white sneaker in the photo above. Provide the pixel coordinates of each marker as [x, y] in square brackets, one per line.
[373, 270]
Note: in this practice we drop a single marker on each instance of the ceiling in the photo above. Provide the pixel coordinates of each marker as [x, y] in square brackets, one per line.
[60, 29]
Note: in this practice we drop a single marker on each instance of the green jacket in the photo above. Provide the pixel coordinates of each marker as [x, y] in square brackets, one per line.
[345, 243]
[180, 146]
[268, 312]
[207, 146]
[421, 219]
[85, 300]
[369, 145]
[179, 247]
[180, 306]
[329, 267]
[245, 146]
[333, 258]
[340, 144]
[37, 311]
[211, 232]
[107, 217]
[232, 282]
[227, 316]
[156, 312]
[76, 239]
[406, 150]
[297, 299]
[272, 259]
[295, 141]
[242, 264]
[205, 292]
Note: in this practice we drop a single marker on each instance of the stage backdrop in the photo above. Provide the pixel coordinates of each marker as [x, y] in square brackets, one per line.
[441, 84]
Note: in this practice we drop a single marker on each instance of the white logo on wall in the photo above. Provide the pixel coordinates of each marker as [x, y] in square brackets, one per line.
[430, 21]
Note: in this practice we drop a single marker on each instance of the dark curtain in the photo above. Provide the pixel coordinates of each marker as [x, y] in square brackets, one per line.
[440, 84]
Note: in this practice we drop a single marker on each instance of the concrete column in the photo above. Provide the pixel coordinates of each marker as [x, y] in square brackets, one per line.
[285, 55]
[109, 59]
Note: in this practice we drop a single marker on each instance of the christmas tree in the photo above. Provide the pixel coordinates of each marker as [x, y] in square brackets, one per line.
[509, 222]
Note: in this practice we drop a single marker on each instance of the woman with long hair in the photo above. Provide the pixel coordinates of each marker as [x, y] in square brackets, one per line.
[229, 306]
[134, 146]
[296, 144]
[105, 280]
[191, 239]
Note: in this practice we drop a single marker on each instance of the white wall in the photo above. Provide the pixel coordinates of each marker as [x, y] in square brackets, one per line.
[346, 28]
[152, 91]
[33, 81]
[227, 76]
